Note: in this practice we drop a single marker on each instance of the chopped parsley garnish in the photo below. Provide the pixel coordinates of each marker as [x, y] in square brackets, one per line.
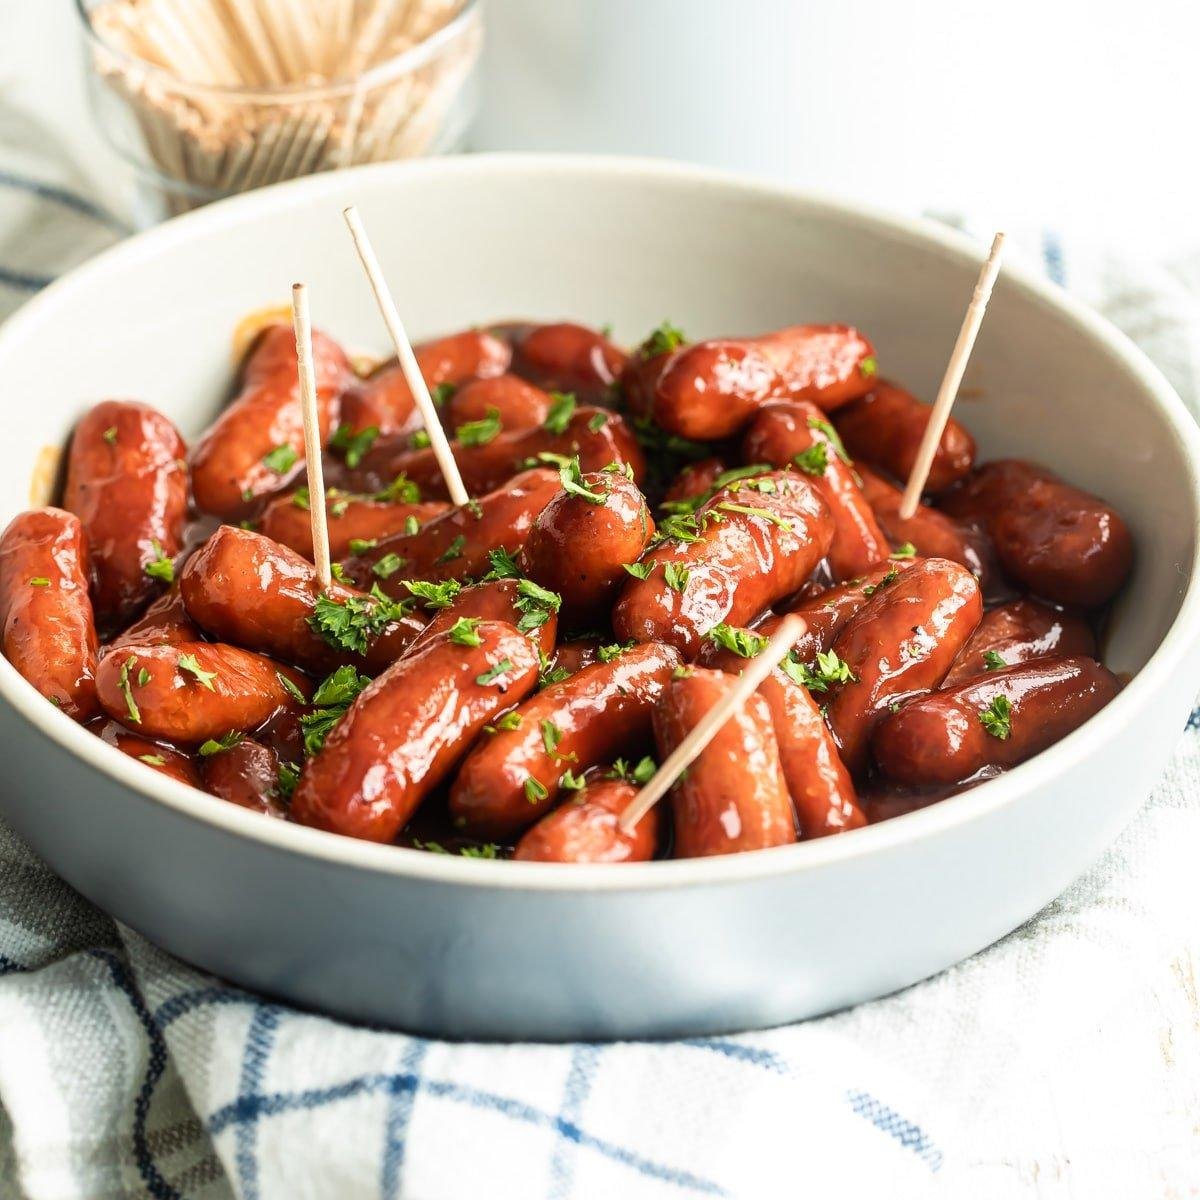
[110, 435]
[503, 566]
[534, 791]
[597, 422]
[143, 677]
[220, 745]
[992, 661]
[641, 774]
[750, 511]
[886, 581]
[551, 736]
[606, 654]
[676, 576]
[465, 632]
[570, 782]
[869, 366]
[127, 689]
[286, 780]
[826, 670]
[338, 572]
[280, 460]
[640, 570]
[354, 445]
[162, 566]
[247, 495]
[189, 663]
[510, 720]
[39, 581]
[452, 551]
[330, 701]
[152, 760]
[736, 474]
[494, 673]
[616, 468]
[814, 460]
[433, 595]
[362, 545]
[442, 393]
[411, 525]
[572, 481]
[548, 674]
[475, 509]
[386, 566]
[835, 439]
[678, 527]
[997, 718]
[419, 440]
[300, 498]
[400, 490]
[479, 433]
[290, 687]
[352, 624]
[743, 642]
[904, 550]
[562, 409]
[663, 340]
[535, 604]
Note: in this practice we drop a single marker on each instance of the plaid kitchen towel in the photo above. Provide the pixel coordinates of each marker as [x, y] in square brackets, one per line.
[1064, 1061]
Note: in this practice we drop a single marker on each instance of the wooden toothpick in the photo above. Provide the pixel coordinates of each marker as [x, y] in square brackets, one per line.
[312, 434]
[951, 380]
[406, 358]
[790, 630]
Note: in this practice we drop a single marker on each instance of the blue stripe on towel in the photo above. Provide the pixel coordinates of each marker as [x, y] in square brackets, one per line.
[1052, 256]
[580, 1077]
[398, 1117]
[260, 1041]
[253, 1108]
[887, 1120]
[24, 282]
[59, 195]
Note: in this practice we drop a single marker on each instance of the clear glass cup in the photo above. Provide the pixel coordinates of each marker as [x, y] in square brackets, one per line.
[190, 143]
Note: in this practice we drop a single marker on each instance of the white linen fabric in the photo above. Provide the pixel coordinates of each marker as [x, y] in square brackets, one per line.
[1064, 1061]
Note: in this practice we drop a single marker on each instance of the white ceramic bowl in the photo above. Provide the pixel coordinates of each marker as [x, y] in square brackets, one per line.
[496, 949]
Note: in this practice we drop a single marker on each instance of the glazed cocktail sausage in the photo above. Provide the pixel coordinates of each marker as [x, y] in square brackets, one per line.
[733, 797]
[194, 691]
[258, 441]
[885, 429]
[581, 541]
[166, 760]
[404, 733]
[565, 357]
[821, 789]
[576, 654]
[1019, 632]
[930, 532]
[900, 644]
[994, 720]
[751, 547]
[515, 775]
[49, 634]
[383, 402]
[245, 589]
[1060, 542]
[497, 600]
[585, 829]
[593, 435]
[711, 390]
[351, 520]
[164, 623]
[127, 482]
[516, 403]
[246, 775]
[797, 434]
[695, 483]
[457, 543]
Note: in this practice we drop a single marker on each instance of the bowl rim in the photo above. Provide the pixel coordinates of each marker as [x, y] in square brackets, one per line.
[336, 850]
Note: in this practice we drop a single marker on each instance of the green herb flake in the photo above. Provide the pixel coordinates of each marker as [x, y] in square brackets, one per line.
[572, 481]
[743, 642]
[411, 526]
[494, 673]
[331, 700]
[353, 623]
[419, 440]
[401, 490]
[162, 566]
[127, 689]
[300, 498]
[835, 440]
[825, 671]
[39, 581]
[535, 791]
[286, 780]
[465, 632]
[219, 746]
[503, 566]
[441, 394]
[606, 654]
[640, 570]
[887, 581]
[433, 595]
[290, 687]
[535, 604]
[110, 435]
[814, 460]
[388, 565]
[997, 718]
[354, 445]
[663, 340]
[992, 661]
[362, 545]
[570, 782]
[143, 677]
[152, 760]
[562, 409]
[597, 422]
[189, 663]
[676, 576]
[479, 433]
[280, 460]
[868, 367]
[452, 551]
[510, 720]
[750, 511]
[904, 550]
